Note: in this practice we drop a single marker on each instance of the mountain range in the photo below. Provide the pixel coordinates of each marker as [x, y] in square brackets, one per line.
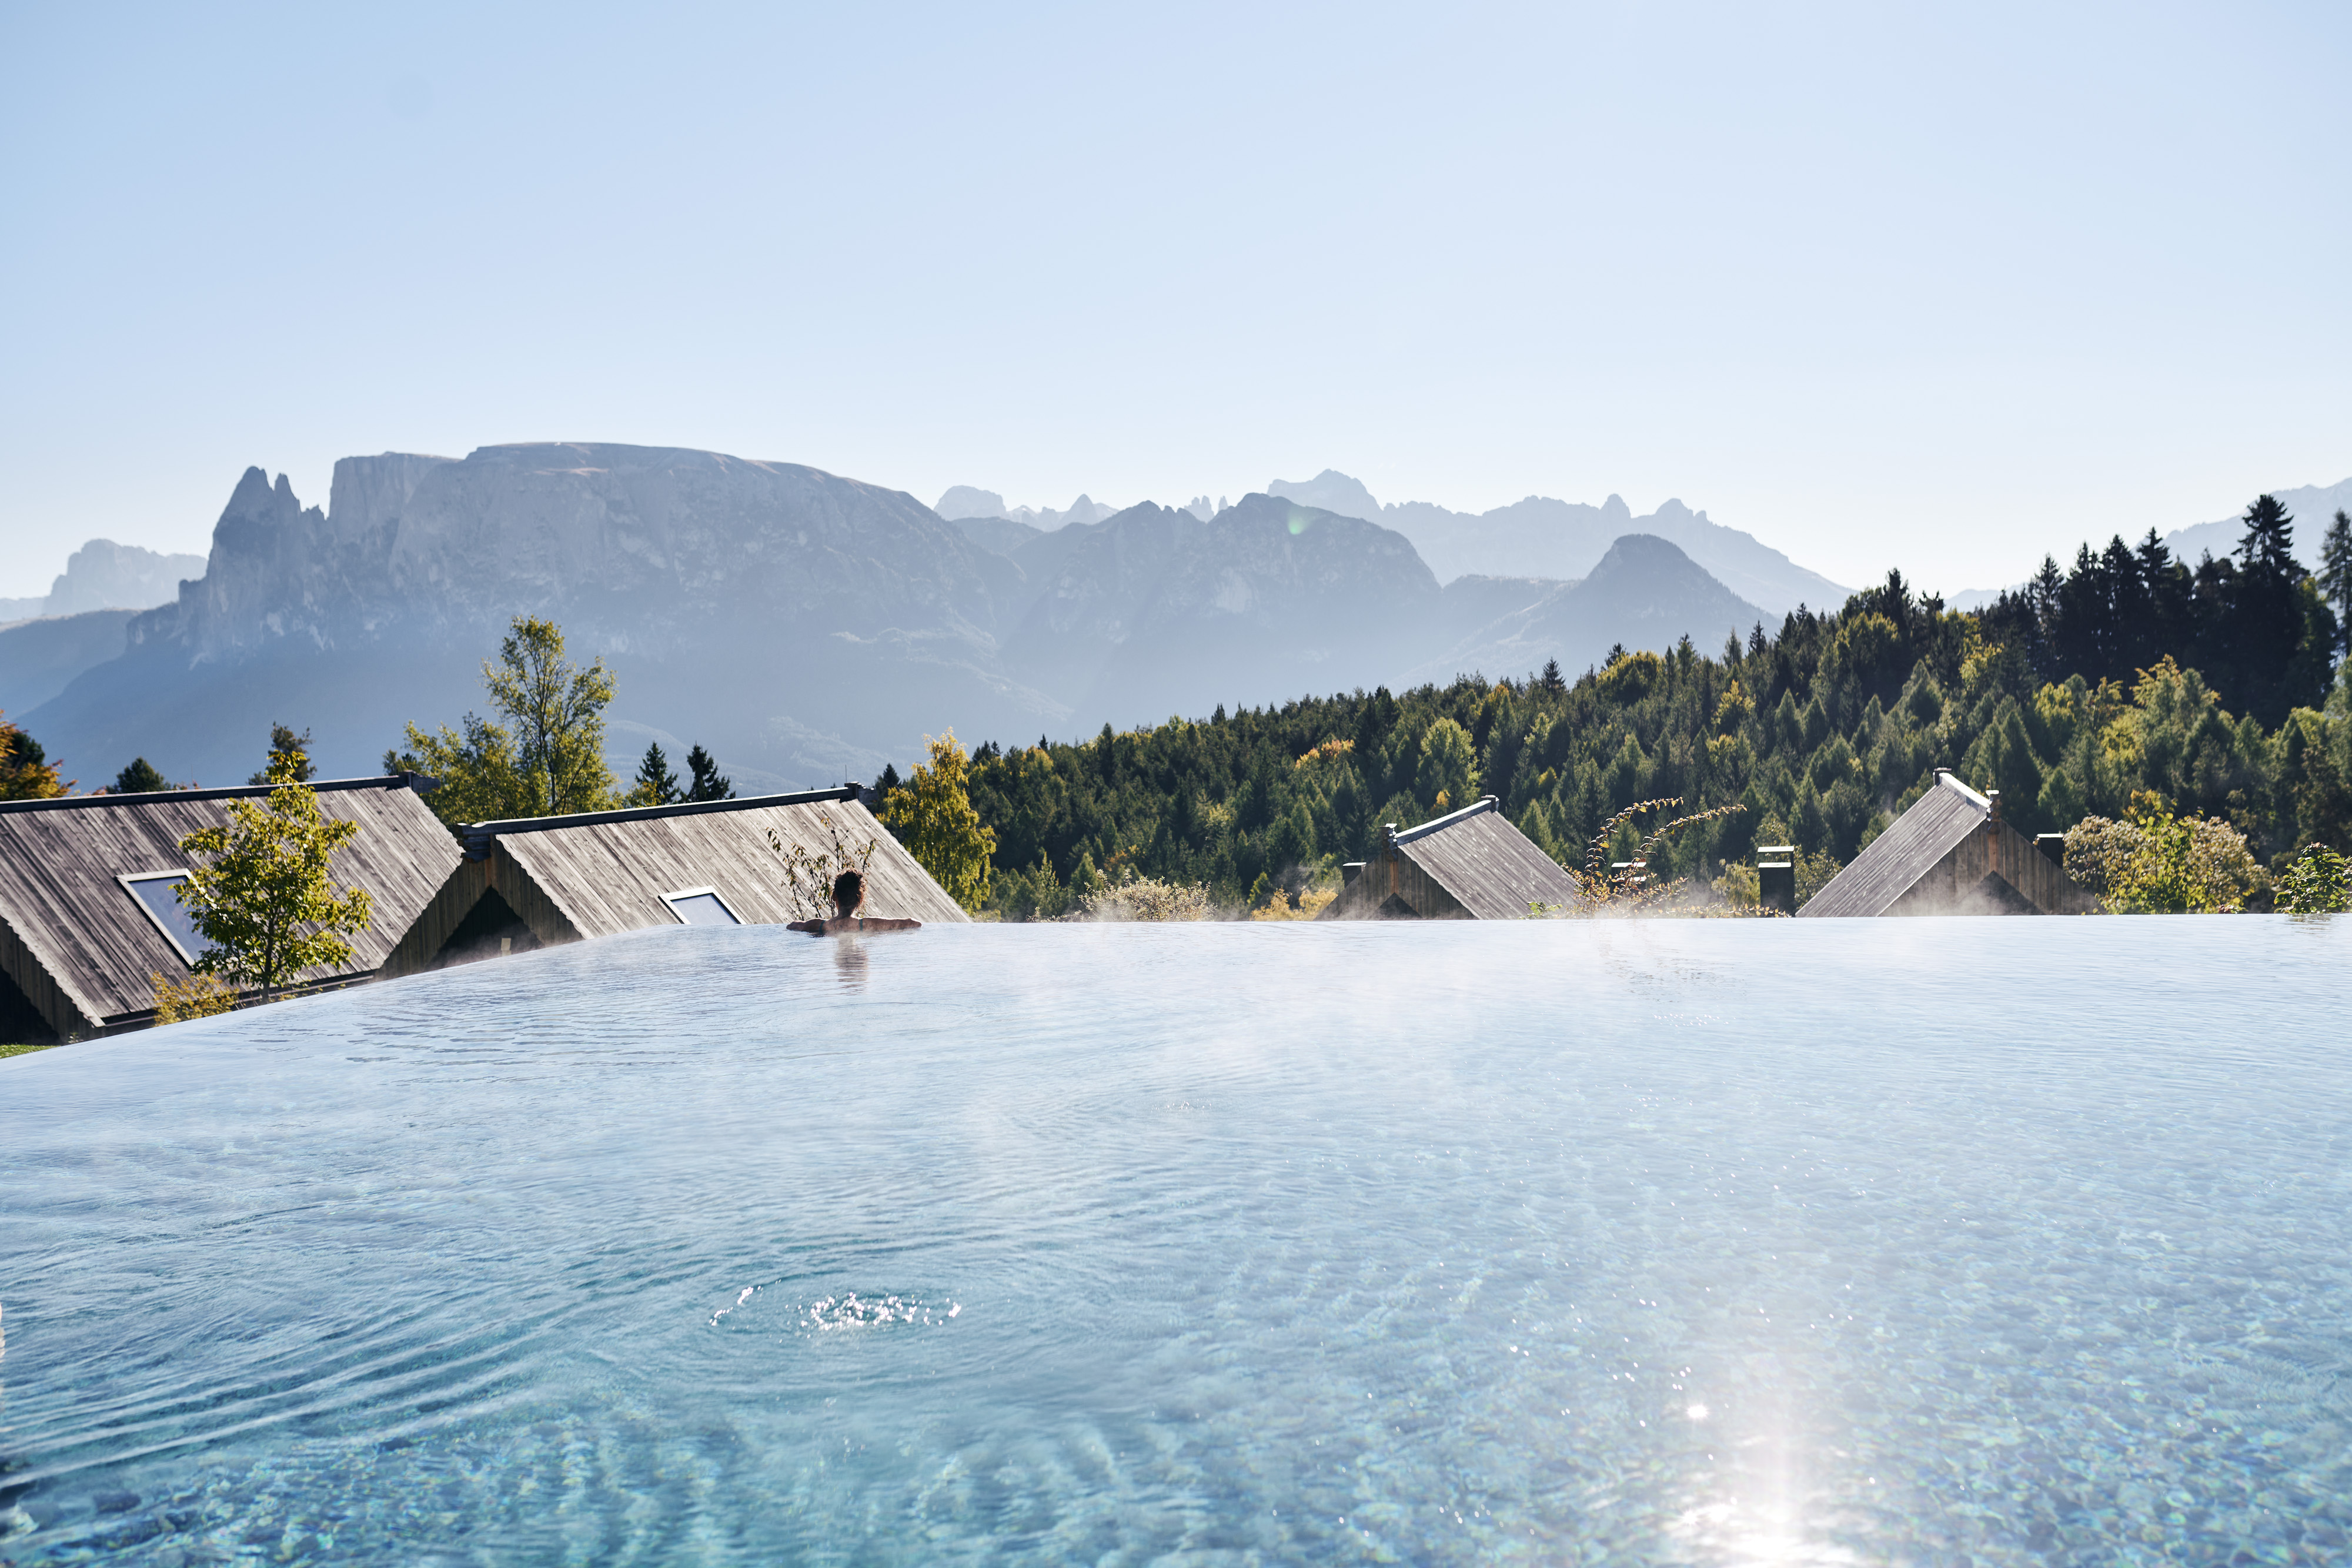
[1567, 539]
[103, 575]
[803, 626]
[1539, 536]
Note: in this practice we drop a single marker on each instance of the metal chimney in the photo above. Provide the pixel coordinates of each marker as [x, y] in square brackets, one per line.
[1776, 877]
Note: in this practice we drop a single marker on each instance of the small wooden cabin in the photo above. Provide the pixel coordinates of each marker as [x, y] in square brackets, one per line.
[1951, 854]
[536, 881]
[88, 917]
[1469, 865]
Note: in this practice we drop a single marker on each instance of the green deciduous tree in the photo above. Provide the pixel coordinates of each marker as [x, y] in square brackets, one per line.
[557, 710]
[547, 760]
[932, 815]
[261, 894]
[2315, 883]
[479, 781]
[2157, 863]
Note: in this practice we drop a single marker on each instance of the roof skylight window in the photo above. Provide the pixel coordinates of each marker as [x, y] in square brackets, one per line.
[700, 907]
[153, 891]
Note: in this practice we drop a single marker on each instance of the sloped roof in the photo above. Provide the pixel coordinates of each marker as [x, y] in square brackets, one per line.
[1488, 865]
[1908, 849]
[69, 917]
[607, 872]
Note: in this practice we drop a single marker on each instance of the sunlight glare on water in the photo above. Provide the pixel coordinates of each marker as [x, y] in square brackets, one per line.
[1709, 1242]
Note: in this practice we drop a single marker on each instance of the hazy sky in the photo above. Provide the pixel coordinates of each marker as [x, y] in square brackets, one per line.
[1937, 287]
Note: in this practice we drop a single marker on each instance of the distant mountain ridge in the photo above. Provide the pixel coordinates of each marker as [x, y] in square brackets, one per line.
[2313, 507]
[770, 610]
[1643, 592]
[1150, 610]
[803, 626]
[103, 575]
[1541, 537]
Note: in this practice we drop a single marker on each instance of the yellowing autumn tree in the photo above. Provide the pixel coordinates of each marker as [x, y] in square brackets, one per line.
[25, 772]
[932, 815]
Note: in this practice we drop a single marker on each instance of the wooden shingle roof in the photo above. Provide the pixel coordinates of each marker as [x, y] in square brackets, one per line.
[1470, 864]
[1491, 868]
[79, 945]
[610, 876]
[603, 873]
[1908, 849]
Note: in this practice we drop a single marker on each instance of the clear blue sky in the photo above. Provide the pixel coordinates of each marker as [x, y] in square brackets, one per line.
[1940, 287]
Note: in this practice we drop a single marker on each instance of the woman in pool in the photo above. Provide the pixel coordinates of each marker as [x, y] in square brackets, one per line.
[848, 893]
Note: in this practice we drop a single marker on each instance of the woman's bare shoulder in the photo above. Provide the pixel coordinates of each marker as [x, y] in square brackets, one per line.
[851, 924]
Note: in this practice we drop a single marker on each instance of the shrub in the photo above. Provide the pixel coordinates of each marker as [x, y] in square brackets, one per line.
[197, 997]
[2157, 863]
[1146, 898]
[2316, 883]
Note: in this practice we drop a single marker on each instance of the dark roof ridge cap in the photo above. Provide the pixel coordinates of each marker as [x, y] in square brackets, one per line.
[1484, 803]
[418, 781]
[474, 830]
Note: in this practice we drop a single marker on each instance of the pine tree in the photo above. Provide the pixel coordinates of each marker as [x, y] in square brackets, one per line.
[2262, 615]
[1551, 680]
[2335, 573]
[141, 778]
[710, 784]
[1447, 779]
[296, 748]
[2268, 545]
[655, 785]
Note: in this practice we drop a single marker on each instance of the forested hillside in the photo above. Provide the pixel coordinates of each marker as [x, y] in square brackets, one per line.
[2069, 699]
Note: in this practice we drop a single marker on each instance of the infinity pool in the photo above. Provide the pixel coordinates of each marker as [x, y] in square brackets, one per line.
[1932, 1241]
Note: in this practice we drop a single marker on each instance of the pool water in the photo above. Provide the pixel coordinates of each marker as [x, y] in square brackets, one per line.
[1932, 1241]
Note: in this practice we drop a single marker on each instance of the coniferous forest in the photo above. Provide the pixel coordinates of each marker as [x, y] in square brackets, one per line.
[2215, 689]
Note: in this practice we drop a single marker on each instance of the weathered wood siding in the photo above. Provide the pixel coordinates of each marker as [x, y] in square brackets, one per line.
[1472, 865]
[439, 920]
[1994, 849]
[1490, 870]
[1932, 858]
[83, 950]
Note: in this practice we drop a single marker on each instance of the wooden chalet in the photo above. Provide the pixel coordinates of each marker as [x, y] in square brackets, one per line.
[1469, 865]
[536, 881]
[1951, 853]
[88, 917]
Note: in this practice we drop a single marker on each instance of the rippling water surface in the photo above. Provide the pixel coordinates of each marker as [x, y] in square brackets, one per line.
[1917, 1241]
